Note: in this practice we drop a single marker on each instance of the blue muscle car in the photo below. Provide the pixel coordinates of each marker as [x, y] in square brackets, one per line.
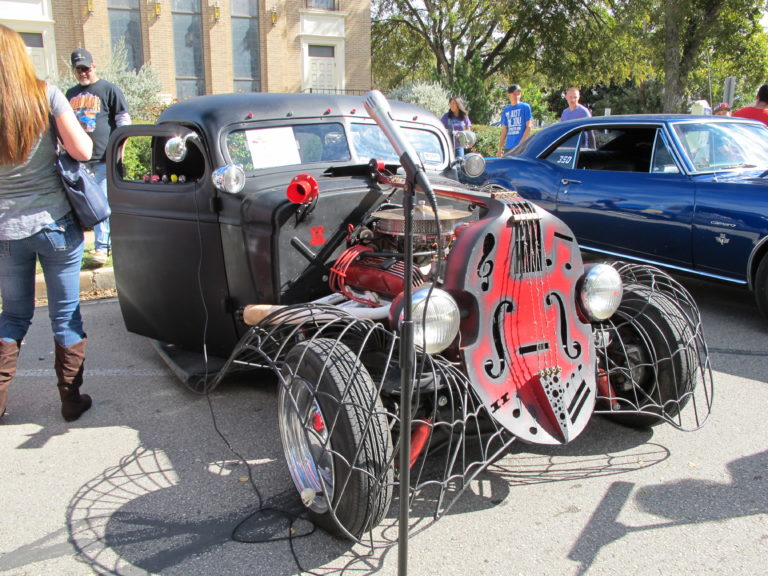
[688, 193]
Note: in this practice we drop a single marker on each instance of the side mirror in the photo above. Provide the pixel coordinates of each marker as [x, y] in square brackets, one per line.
[473, 165]
[229, 178]
[465, 138]
[176, 147]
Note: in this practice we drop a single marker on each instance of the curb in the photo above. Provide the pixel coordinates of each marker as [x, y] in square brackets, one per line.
[99, 281]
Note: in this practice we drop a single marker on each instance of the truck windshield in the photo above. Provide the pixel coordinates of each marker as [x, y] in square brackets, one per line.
[260, 148]
[369, 142]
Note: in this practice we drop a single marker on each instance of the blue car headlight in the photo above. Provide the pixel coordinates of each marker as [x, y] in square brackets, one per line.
[600, 291]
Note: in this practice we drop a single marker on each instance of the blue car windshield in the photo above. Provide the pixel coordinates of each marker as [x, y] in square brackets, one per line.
[719, 146]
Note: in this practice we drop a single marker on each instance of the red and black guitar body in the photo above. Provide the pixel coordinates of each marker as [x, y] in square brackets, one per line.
[529, 354]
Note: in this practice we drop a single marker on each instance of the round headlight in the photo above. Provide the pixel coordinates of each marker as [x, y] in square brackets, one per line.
[229, 178]
[473, 165]
[601, 291]
[435, 330]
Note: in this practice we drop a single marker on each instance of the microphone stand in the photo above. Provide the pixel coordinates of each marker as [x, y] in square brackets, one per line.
[378, 108]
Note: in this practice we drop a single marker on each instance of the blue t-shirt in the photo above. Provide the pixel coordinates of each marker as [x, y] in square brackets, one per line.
[578, 112]
[515, 118]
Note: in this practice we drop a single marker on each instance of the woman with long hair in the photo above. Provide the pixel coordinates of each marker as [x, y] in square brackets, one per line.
[456, 120]
[36, 222]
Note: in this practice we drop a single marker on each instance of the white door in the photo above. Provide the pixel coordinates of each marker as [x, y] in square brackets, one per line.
[37, 55]
[322, 67]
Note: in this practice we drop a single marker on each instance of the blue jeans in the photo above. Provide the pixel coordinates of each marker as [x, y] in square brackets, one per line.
[101, 236]
[59, 246]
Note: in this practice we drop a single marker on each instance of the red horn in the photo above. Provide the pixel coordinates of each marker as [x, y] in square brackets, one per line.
[302, 189]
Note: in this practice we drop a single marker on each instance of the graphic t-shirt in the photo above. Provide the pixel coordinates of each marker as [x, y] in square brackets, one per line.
[515, 118]
[96, 107]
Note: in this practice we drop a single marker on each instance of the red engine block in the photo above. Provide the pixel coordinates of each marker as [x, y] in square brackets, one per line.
[357, 268]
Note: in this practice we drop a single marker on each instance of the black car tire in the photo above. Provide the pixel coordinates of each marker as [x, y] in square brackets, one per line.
[650, 337]
[761, 287]
[351, 448]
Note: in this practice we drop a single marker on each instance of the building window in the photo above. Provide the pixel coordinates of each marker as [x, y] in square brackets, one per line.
[188, 46]
[32, 39]
[246, 62]
[323, 4]
[125, 27]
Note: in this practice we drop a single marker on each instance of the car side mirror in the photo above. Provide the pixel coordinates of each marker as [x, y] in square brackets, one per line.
[176, 147]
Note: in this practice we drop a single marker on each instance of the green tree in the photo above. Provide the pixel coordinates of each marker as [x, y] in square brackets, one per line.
[609, 46]
[498, 35]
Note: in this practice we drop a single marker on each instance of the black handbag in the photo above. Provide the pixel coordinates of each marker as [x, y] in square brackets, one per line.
[88, 201]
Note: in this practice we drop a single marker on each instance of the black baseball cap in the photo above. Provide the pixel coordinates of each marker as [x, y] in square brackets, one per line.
[81, 57]
[514, 88]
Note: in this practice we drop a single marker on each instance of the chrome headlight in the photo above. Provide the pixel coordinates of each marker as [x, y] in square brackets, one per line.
[473, 165]
[229, 178]
[436, 329]
[600, 291]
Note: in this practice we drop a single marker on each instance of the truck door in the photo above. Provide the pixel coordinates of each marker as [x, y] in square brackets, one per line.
[167, 248]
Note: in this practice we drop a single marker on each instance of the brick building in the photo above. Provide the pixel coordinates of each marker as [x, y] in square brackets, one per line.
[208, 46]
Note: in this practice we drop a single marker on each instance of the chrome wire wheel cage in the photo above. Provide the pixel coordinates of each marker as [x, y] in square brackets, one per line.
[305, 440]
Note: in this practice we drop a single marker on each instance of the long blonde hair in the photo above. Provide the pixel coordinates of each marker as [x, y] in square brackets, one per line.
[24, 104]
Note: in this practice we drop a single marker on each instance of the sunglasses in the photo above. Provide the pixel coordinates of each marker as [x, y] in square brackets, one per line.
[81, 69]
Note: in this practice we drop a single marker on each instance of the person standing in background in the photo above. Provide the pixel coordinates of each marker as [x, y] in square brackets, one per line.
[37, 222]
[759, 111]
[100, 107]
[721, 109]
[574, 110]
[456, 120]
[515, 120]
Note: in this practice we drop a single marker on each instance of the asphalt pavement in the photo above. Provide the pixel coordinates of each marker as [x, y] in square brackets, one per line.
[155, 479]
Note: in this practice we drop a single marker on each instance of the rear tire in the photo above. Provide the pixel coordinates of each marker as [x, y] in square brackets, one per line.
[761, 287]
[335, 437]
[649, 361]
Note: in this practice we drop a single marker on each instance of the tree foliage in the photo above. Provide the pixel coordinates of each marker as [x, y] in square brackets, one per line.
[668, 51]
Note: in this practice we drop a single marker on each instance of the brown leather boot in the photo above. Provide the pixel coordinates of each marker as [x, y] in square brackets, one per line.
[9, 354]
[69, 365]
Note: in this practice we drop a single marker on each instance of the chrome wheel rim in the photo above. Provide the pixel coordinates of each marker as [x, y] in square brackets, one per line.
[306, 444]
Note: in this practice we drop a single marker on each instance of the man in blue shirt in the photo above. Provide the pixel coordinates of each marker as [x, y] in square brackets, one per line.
[574, 110]
[515, 121]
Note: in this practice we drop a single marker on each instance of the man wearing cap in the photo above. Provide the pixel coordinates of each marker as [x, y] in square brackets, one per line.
[721, 109]
[515, 121]
[100, 107]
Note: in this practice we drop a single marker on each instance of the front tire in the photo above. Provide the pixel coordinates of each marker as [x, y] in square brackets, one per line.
[648, 361]
[335, 437]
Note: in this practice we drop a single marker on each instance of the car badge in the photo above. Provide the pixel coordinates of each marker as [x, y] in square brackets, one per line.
[722, 239]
